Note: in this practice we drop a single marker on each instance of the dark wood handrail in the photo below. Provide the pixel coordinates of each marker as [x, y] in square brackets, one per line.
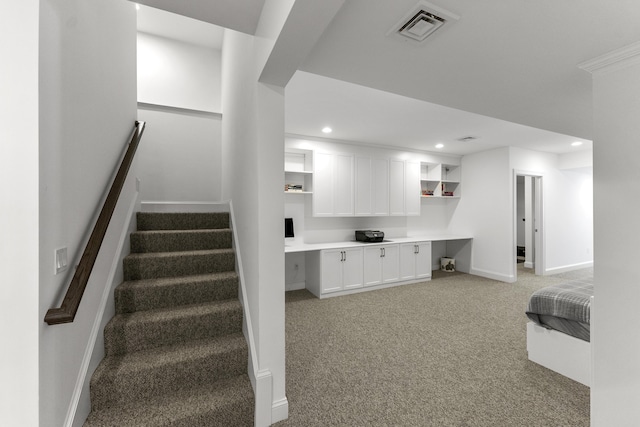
[67, 311]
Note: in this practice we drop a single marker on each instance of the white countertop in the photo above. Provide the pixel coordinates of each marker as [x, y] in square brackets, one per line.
[304, 247]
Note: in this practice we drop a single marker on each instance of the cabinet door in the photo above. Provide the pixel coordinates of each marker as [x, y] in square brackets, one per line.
[407, 261]
[412, 188]
[323, 184]
[423, 260]
[380, 187]
[396, 187]
[363, 188]
[372, 271]
[390, 263]
[352, 268]
[331, 270]
[343, 185]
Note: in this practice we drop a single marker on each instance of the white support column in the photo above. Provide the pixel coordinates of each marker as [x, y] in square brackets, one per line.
[614, 337]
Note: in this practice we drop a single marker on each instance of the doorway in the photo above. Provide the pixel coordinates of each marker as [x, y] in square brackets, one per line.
[528, 245]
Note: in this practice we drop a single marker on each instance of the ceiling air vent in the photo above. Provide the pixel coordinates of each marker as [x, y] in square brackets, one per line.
[467, 138]
[422, 21]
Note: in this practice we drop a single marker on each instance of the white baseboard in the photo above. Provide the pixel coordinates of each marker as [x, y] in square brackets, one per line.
[280, 410]
[294, 286]
[492, 275]
[528, 264]
[79, 406]
[566, 268]
[263, 395]
[161, 206]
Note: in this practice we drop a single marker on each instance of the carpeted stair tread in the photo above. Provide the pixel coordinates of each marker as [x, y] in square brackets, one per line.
[227, 402]
[141, 330]
[149, 294]
[180, 240]
[143, 374]
[173, 264]
[181, 220]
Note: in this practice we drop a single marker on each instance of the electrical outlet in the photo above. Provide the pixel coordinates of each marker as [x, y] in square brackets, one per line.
[61, 260]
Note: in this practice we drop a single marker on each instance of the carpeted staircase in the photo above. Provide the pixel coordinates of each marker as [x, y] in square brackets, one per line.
[175, 354]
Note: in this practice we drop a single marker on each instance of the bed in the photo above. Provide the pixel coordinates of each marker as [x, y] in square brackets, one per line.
[558, 334]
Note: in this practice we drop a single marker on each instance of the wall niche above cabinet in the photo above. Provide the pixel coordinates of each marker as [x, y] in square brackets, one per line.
[298, 171]
[439, 180]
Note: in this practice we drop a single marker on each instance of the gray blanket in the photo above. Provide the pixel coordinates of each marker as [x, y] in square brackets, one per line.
[570, 301]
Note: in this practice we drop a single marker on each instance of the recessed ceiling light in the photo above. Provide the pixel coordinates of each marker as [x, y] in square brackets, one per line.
[439, 145]
[576, 143]
[327, 129]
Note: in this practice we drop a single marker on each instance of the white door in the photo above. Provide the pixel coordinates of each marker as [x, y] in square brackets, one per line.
[538, 247]
[331, 265]
[396, 187]
[423, 260]
[380, 187]
[390, 263]
[412, 188]
[352, 268]
[407, 261]
[372, 259]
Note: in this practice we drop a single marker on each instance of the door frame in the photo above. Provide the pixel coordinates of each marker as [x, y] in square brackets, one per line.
[538, 216]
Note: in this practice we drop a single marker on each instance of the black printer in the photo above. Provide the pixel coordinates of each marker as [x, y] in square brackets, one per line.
[369, 236]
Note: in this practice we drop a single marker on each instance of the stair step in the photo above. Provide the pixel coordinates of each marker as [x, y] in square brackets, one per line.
[150, 294]
[165, 370]
[181, 220]
[227, 402]
[180, 240]
[143, 330]
[173, 264]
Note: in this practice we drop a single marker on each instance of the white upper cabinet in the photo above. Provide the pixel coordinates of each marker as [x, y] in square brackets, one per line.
[412, 188]
[396, 183]
[404, 182]
[333, 193]
[371, 187]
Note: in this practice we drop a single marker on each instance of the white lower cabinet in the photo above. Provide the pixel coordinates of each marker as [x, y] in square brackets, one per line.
[340, 269]
[381, 264]
[415, 260]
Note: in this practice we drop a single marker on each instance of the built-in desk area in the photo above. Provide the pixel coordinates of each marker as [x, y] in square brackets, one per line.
[344, 267]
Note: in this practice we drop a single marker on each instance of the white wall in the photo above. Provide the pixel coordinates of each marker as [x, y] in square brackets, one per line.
[485, 211]
[19, 226]
[616, 346]
[252, 137]
[567, 206]
[180, 156]
[178, 74]
[179, 96]
[87, 112]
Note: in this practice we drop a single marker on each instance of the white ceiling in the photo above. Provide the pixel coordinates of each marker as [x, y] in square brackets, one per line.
[177, 27]
[514, 60]
[360, 114]
[238, 15]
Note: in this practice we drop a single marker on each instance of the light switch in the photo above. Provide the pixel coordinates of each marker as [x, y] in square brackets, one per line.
[61, 260]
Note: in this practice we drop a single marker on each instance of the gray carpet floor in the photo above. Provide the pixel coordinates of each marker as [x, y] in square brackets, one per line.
[449, 352]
